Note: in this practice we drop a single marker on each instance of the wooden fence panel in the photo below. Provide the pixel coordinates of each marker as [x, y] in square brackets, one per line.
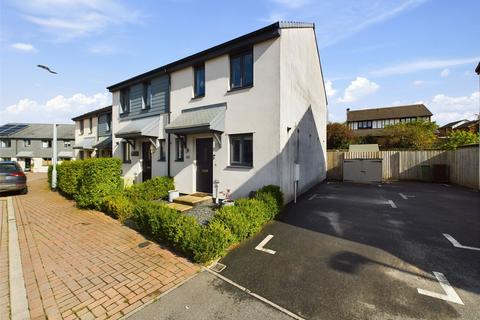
[407, 165]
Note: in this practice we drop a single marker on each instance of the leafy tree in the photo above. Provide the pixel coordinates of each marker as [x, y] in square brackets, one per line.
[339, 136]
[459, 138]
[415, 135]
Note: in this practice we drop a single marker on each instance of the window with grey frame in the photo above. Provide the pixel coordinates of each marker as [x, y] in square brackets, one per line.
[162, 150]
[27, 143]
[241, 150]
[82, 126]
[126, 152]
[179, 149]
[241, 70]
[199, 81]
[5, 143]
[147, 95]
[90, 125]
[109, 122]
[125, 100]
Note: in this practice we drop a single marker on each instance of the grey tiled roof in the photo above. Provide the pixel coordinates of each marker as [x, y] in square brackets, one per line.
[413, 110]
[210, 117]
[45, 131]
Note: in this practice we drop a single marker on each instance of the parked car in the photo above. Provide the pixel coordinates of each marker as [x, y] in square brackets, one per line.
[12, 177]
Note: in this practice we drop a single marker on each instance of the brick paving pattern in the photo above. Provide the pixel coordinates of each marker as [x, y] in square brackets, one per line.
[82, 264]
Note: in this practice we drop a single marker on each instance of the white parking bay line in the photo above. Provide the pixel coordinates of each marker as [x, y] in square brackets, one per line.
[392, 204]
[312, 197]
[450, 294]
[403, 196]
[457, 244]
[259, 297]
[264, 242]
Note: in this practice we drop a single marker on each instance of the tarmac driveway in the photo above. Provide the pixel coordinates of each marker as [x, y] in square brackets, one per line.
[348, 251]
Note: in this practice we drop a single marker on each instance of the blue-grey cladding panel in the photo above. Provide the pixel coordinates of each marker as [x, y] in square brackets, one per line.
[160, 99]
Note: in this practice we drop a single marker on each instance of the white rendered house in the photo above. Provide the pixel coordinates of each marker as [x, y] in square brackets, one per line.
[237, 116]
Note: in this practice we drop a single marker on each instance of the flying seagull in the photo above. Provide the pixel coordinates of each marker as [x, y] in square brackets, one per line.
[46, 68]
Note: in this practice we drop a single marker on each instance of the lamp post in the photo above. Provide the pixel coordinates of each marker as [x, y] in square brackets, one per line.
[477, 70]
[54, 157]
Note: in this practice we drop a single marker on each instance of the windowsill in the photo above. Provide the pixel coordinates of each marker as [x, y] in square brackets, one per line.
[197, 97]
[127, 162]
[238, 166]
[162, 160]
[240, 88]
[179, 160]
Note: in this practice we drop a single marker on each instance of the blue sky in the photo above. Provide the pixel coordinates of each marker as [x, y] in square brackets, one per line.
[373, 53]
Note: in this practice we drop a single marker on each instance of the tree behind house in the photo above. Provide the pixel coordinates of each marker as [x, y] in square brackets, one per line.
[459, 138]
[339, 136]
[418, 135]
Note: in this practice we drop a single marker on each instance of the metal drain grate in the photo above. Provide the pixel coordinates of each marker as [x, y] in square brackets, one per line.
[218, 267]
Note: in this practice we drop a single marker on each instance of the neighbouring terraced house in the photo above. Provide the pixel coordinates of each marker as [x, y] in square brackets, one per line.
[93, 134]
[243, 114]
[30, 144]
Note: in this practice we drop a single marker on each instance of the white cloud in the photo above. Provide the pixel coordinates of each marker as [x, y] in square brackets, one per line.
[421, 65]
[358, 88]
[58, 109]
[445, 73]
[418, 82]
[329, 89]
[447, 108]
[294, 4]
[273, 17]
[27, 47]
[67, 20]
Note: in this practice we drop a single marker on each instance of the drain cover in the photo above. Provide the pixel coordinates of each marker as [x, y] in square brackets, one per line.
[144, 244]
[218, 267]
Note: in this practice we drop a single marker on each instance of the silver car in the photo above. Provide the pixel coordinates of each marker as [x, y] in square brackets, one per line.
[12, 177]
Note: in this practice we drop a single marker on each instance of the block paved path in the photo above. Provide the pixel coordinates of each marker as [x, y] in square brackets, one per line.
[82, 264]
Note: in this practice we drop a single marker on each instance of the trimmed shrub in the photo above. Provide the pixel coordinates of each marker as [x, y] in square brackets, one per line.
[234, 219]
[118, 206]
[100, 178]
[273, 191]
[49, 175]
[214, 239]
[153, 189]
[69, 174]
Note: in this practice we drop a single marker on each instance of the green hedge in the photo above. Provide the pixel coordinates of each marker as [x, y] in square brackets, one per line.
[153, 189]
[118, 206]
[95, 179]
[231, 224]
[69, 175]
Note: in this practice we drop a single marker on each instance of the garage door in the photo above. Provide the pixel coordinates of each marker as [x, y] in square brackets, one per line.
[362, 170]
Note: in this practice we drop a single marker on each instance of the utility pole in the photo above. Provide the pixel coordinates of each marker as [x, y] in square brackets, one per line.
[54, 157]
[477, 70]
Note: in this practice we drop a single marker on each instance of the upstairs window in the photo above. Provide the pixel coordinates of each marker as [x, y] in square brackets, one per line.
[147, 96]
[90, 125]
[163, 154]
[109, 123]
[46, 143]
[5, 143]
[241, 70]
[199, 85]
[27, 143]
[125, 100]
[67, 144]
[82, 127]
[365, 124]
[241, 150]
[179, 151]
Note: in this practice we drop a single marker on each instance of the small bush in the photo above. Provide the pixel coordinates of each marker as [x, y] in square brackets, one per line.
[214, 239]
[118, 206]
[234, 219]
[69, 175]
[256, 212]
[153, 189]
[49, 175]
[100, 178]
[275, 192]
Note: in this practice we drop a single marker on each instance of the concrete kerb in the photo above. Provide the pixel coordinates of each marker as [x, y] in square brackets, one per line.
[18, 292]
